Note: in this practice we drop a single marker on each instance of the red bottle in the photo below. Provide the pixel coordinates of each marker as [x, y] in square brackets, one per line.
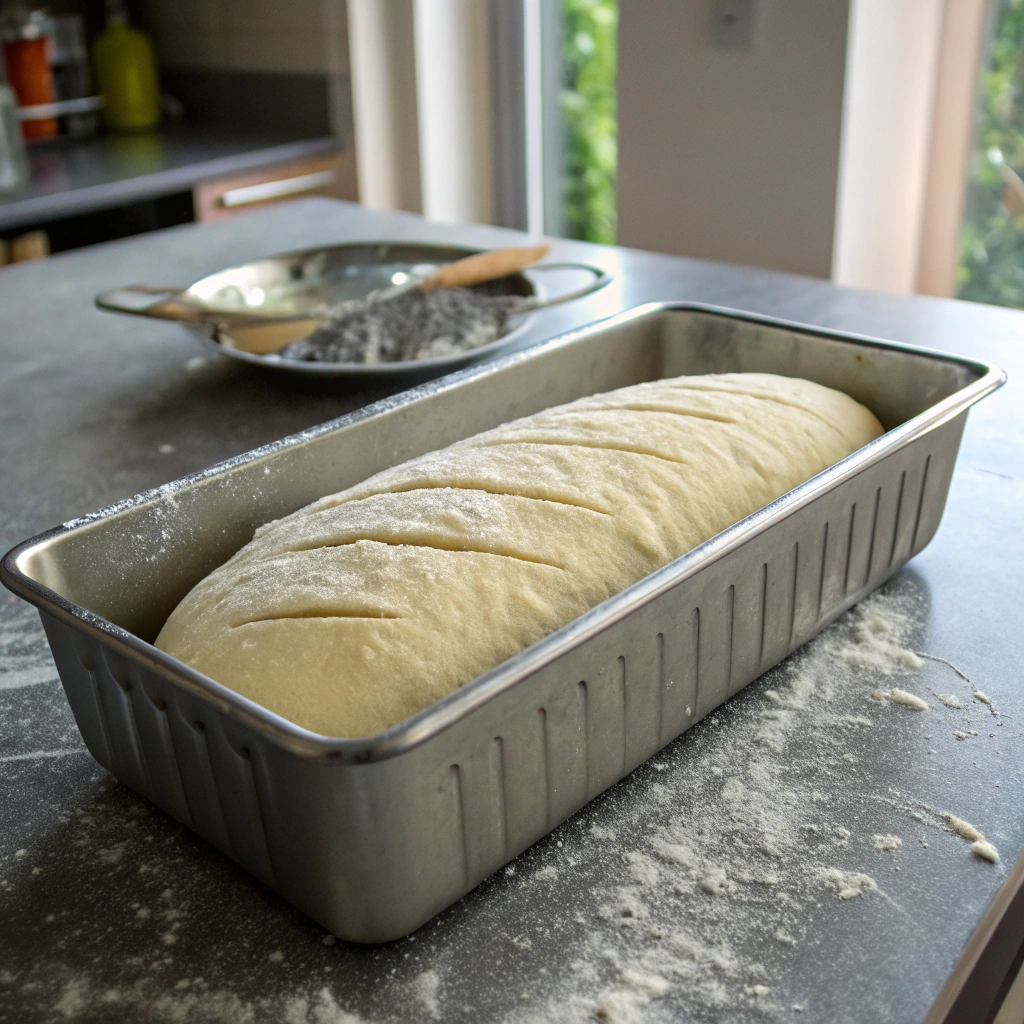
[26, 54]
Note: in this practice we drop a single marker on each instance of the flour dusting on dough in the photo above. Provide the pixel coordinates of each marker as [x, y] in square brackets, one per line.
[511, 533]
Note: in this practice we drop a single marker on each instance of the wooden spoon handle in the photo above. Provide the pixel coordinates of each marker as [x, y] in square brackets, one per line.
[485, 266]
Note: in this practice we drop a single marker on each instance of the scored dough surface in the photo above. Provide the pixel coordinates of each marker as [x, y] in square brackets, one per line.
[361, 609]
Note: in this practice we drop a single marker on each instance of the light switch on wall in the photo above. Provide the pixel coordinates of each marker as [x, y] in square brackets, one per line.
[734, 22]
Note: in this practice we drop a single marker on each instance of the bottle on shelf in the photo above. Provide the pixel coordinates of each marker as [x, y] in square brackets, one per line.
[28, 40]
[72, 77]
[125, 63]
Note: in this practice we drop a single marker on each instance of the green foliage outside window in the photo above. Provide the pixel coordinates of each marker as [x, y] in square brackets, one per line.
[991, 266]
[589, 29]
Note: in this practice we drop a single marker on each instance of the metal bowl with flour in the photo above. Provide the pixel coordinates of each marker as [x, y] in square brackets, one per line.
[250, 312]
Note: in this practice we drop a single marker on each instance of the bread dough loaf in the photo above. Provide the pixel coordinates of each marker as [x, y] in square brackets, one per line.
[355, 612]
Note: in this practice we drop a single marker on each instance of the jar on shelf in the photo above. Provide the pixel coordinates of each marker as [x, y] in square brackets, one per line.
[126, 71]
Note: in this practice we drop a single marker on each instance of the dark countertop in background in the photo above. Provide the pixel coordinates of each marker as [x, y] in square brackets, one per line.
[70, 176]
[110, 911]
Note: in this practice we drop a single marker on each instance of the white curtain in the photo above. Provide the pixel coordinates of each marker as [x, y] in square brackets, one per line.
[421, 89]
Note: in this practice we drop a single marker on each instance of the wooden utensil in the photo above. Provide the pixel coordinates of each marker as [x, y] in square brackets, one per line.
[484, 266]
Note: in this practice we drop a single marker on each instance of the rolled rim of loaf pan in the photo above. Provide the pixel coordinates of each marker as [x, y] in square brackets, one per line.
[461, 702]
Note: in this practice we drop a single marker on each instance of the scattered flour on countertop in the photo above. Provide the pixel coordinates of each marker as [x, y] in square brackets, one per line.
[985, 850]
[720, 857]
[622, 1004]
[945, 661]
[897, 696]
[909, 700]
[963, 828]
[886, 842]
[980, 846]
[950, 699]
[425, 988]
[188, 1002]
[875, 645]
[847, 884]
[742, 844]
[74, 999]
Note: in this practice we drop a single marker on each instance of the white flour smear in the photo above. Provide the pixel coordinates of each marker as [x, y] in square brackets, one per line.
[424, 989]
[980, 846]
[985, 850]
[910, 700]
[188, 1002]
[886, 842]
[963, 828]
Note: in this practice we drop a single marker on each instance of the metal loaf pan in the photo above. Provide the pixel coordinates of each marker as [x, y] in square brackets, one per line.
[372, 837]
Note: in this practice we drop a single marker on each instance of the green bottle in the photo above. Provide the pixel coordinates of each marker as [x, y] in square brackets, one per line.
[126, 71]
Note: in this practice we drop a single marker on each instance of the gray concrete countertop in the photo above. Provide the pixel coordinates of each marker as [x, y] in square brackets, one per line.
[70, 176]
[653, 903]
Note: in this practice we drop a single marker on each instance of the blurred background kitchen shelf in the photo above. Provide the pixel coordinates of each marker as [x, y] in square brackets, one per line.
[880, 145]
[253, 105]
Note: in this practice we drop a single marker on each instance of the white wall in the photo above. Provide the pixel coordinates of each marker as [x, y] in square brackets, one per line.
[384, 103]
[241, 35]
[731, 154]
[454, 102]
[421, 87]
[887, 122]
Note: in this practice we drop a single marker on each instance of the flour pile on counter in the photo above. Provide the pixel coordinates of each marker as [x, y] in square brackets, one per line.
[886, 842]
[980, 846]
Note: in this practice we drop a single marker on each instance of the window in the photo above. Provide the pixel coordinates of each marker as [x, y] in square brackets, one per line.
[578, 65]
[991, 257]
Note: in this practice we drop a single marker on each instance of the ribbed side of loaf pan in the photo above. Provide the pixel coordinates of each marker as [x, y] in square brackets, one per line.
[371, 838]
